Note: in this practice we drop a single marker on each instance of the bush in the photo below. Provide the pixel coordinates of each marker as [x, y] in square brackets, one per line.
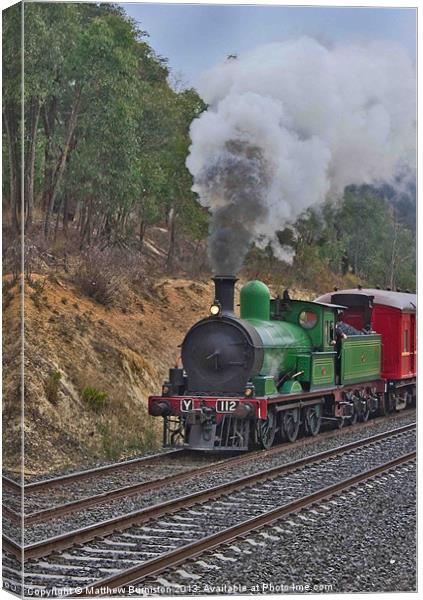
[52, 386]
[95, 399]
[98, 285]
[107, 275]
[112, 445]
[99, 278]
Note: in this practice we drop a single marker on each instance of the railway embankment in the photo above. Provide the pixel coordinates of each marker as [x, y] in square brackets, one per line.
[89, 369]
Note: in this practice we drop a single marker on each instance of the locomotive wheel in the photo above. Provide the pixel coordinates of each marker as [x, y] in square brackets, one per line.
[266, 430]
[354, 417]
[291, 424]
[340, 422]
[364, 409]
[364, 416]
[313, 418]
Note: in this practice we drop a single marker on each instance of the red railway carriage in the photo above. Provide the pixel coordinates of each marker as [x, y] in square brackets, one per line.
[393, 315]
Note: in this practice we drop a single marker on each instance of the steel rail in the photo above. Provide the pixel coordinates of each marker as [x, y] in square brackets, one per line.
[138, 488]
[155, 566]
[45, 484]
[122, 522]
[11, 485]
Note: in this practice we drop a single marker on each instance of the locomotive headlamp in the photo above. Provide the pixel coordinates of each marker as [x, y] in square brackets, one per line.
[215, 309]
[249, 391]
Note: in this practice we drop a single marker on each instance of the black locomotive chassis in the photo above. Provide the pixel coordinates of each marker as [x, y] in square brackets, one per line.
[182, 405]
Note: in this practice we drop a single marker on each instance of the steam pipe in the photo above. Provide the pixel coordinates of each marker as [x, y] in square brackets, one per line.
[224, 286]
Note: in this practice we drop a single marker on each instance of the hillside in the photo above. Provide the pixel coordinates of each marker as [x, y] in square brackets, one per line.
[78, 343]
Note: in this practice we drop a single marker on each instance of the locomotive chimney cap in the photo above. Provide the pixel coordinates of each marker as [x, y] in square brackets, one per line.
[229, 277]
[224, 286]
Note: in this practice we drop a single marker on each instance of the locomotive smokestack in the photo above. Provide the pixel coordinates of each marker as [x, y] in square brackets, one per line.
[224, 286]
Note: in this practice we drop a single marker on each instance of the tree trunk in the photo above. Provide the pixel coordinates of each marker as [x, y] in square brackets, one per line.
[11, 122]
[172, 238]
[141, 235]
[49, 117]
[61, 163]
[86, 225]
[65, 216]
[34, 114]
[195, 256]
[56, 227]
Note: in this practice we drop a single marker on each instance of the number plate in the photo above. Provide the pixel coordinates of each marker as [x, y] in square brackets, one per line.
[187, 404]
[226, 406]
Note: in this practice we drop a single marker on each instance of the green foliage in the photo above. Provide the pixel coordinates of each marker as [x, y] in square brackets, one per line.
[359, 238]
[95, 399]
[106, 132]
[52, 386]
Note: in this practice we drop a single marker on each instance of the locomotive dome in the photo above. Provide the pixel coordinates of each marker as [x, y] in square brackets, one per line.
[255, 301]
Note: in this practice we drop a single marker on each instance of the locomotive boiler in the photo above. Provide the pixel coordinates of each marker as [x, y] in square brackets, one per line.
[224, 354]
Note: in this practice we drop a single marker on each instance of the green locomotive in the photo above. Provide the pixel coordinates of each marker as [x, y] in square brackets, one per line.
[281, 364]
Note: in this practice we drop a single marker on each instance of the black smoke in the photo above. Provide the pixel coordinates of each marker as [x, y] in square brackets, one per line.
[238, 178]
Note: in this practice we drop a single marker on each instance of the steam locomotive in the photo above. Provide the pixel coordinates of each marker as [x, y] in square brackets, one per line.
[285, 366]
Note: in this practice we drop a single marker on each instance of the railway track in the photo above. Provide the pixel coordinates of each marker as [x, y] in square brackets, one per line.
[124, 550]
[57, 509]
[88, 474]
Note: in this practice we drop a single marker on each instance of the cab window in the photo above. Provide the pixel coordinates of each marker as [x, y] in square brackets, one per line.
[307, 319]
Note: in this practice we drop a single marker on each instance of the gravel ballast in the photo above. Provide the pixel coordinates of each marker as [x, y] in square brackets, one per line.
[100, 558]
[125, 505]
[361, 541]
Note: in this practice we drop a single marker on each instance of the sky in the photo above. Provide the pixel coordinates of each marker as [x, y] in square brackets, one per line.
[195, 37]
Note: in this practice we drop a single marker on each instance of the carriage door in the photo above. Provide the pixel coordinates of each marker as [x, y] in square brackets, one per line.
[407, 355]
[413, 343]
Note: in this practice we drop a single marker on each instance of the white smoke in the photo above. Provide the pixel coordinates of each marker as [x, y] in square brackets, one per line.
[309, 120]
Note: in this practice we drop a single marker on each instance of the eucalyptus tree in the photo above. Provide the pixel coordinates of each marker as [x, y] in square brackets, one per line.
[104, 163]
[11, 106]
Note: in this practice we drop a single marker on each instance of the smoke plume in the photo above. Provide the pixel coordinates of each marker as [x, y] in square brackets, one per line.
[291, 124]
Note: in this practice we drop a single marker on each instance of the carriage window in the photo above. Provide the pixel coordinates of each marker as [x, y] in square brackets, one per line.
[405, 349]
[307, 319]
